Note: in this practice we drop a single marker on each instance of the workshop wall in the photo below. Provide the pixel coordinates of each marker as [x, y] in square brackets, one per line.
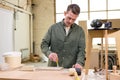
[21, 22]
[43, 17]
[25, 4]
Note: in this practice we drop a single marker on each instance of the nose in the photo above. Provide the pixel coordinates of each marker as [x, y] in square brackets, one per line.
[71, 21]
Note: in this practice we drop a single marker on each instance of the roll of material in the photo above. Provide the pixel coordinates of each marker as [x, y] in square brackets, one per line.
[78, 70]
[73, 70]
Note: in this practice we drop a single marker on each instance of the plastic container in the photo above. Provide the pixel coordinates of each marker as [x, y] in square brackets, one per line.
[4, 66]
[13, 59]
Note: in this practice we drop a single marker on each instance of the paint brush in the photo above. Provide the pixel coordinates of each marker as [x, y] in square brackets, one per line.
[57, 63]
[76, 76]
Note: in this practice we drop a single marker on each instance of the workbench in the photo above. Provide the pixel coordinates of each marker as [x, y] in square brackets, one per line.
[61, 74]
[17, 74]
[35, 75]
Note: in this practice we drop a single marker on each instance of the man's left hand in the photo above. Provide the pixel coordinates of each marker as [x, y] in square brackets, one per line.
[78, 66]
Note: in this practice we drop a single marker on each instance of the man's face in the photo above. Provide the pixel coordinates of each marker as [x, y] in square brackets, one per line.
[69, 18]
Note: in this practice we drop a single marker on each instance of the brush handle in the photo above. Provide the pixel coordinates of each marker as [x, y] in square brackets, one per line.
[76, 76]
[57, 63]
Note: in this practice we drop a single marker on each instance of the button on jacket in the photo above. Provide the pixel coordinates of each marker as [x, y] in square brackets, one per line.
[70, 48]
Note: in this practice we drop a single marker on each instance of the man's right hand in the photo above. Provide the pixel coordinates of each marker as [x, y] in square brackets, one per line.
[53, 57]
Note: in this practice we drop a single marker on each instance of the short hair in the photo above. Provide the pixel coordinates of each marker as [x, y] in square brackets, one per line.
[74, 8]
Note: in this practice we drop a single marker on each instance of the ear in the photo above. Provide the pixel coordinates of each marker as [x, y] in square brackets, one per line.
[65, 12]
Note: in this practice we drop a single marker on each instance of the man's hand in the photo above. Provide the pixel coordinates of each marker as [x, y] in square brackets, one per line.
[53, 57]
[77, 66]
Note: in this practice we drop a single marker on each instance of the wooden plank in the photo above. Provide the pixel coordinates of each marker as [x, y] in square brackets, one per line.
[36, 75]
[106, 53]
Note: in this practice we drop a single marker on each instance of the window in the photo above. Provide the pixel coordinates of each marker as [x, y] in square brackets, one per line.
[97, 5]
[82, 3]
[111, 5]
[98, 9]
[61, 5]
[114, 14]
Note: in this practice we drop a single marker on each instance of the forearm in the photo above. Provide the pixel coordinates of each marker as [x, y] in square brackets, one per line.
[81, 58]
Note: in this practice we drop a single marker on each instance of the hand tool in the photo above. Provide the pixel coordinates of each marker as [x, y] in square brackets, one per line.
[57, 63]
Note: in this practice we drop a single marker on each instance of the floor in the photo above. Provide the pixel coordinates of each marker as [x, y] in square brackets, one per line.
[43, 62]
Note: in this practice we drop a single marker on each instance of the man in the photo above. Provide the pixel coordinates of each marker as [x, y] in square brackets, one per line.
[65, 41]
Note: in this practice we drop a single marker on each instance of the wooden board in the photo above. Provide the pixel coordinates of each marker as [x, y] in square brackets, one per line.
[49, 68]
[32, 68]
[36, 75]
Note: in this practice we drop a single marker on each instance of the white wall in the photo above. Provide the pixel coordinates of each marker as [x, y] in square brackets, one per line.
[19, 38]
[6, 32]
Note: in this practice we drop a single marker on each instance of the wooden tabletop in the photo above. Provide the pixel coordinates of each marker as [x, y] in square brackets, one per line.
[36, 75]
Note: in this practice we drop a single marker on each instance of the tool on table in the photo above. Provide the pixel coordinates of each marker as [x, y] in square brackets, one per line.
[74, 72]
[76, 76]
[57, 63]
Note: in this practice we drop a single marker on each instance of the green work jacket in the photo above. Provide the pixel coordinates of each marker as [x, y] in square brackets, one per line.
[69, 48]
